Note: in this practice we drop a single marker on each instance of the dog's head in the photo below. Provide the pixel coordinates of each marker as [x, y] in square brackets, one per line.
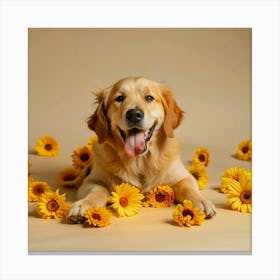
[131, 112]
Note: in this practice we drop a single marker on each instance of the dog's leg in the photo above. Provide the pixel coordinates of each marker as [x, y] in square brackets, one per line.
[89, 195]
[188, 189]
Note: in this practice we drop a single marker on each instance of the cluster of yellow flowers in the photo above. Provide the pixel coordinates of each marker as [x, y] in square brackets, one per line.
[51, 205]
[82, 163]
[236, 182]
[127, 199]
[200, 161]
[81, 160]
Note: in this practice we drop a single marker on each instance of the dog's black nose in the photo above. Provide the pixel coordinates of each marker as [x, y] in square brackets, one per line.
[134, 115]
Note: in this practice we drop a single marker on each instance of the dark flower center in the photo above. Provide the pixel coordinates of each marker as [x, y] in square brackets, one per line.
[84, 157]
[245, 149]
[69, 177]
[246, 197]
[188, 212]
[196, 175]
[52, 205]
[123, 201]
[160, 197]
[96, 216]
[48, 147]
[201, 157]
[38, 189]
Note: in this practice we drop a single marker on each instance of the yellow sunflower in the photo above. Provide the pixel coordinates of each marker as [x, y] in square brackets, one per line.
[240, 193]
[126, 200]
[81, 157]
[244, 150]
[186, 215]
[232, 173]
[52, 205]
[70, 178]
[160, 196]
[98, 217]
[201, 155]
[199, 172]
[91, 141]
[36, 189]
[47, 146]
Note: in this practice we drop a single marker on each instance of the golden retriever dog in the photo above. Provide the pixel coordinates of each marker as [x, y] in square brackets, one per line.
[135, 121]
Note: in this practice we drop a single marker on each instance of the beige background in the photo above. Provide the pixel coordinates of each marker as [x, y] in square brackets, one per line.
[209, 73]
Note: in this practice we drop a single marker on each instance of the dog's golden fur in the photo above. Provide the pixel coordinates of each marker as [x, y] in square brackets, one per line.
[144, 163]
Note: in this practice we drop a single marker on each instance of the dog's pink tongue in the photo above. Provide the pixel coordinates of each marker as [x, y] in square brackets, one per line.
[135, 144]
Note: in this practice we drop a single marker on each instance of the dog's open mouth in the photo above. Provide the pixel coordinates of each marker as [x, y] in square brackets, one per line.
[135, 140]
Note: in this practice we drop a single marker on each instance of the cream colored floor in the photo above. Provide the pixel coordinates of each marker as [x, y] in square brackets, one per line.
[209, 72]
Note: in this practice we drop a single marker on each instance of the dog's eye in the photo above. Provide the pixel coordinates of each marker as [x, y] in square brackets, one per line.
[119, 98]
[149, 98]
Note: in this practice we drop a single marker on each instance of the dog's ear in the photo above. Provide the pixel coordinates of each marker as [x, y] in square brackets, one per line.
[98, 121]
[173, 113]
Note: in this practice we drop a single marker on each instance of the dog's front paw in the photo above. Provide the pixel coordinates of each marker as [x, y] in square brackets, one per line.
[77, 211]
[206, 206]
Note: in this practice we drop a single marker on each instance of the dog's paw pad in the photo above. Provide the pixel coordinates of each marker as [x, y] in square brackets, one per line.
[77, 212]
[77, 219]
